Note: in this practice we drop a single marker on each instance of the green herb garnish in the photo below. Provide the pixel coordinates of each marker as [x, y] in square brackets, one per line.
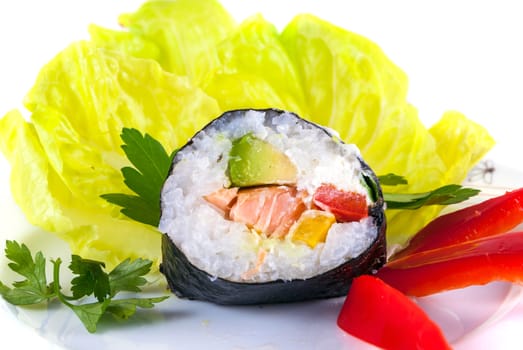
[445, 195]
[90, 280]
[392, 180]
[152, 164]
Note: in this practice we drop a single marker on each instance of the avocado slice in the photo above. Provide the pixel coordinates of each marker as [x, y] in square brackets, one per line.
[254, 162]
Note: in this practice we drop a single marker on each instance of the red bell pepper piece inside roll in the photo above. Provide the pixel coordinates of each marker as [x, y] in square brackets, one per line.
[491, 217]
[379, 314]
[346, 206]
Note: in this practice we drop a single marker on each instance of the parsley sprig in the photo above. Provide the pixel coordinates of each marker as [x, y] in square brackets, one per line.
[444, 195]
[91, 280]
[152, 164]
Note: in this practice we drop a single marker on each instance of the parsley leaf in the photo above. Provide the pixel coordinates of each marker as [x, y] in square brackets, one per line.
[33, 289]
[151, 167]
[127, 276]
[392, 180]
[90, 280]
[135, 207]
[90, 314]
[445, 195]
[124, 308]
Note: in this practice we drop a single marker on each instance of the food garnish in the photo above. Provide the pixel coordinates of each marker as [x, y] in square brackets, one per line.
[91, 280]
[151, 165]
[383, 316]
[445, 195]
[490, 217]
[470, 246]
[470, 263]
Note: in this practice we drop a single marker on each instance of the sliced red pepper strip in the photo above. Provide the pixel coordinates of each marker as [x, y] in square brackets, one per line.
[493, 216]
[477, 262]
[381, 315]
[346, 206]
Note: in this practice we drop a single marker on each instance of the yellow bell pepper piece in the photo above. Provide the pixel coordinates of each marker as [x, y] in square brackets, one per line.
[312, 227]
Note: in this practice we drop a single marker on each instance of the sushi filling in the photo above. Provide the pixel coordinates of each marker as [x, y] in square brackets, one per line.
[265, 199]
[276, 211]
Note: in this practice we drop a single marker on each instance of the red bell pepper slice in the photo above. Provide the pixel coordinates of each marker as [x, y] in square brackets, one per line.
[476, 262]
[346, 206]
[493, 216]
[379, 314]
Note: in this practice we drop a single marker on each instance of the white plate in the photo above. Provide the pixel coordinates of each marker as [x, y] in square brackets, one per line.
[457, 56]
[470, 318]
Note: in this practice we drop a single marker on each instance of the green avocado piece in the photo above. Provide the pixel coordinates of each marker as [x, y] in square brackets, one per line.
[254, 162]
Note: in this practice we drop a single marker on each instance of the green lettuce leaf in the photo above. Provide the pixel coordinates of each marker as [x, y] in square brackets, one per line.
[69, 153]
[181, 35]
[468, 141]
[256, 71]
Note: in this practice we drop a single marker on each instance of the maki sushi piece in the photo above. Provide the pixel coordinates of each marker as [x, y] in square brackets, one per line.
[262, 206]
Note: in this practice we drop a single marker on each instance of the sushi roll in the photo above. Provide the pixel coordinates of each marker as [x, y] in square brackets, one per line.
[262, 206]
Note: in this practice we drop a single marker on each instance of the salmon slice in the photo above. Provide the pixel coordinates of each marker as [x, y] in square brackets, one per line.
[223, 198]
[270, 209]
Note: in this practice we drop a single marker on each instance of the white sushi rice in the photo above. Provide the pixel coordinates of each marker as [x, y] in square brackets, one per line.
[230, 250]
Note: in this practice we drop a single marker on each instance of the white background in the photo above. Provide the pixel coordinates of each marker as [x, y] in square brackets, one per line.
[462, 55]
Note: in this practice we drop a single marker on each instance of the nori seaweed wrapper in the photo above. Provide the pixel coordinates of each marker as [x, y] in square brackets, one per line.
[188, 281]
